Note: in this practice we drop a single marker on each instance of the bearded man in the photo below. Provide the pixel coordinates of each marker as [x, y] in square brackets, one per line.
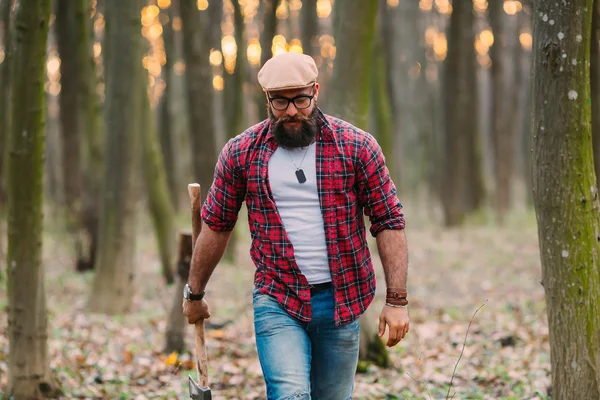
[307, 179]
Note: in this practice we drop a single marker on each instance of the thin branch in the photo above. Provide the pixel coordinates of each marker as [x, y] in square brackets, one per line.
[462, 350]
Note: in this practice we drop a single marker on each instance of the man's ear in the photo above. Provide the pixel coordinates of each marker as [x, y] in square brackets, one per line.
[316, 92]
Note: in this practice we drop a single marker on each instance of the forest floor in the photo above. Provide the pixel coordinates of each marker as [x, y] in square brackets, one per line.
[453, 273]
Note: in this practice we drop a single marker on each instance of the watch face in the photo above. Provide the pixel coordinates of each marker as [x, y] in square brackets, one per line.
[186, 292]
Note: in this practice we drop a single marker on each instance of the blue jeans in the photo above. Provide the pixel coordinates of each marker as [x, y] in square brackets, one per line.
[305, 360]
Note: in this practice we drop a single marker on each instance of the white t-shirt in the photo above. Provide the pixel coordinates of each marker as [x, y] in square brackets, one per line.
[299, 209]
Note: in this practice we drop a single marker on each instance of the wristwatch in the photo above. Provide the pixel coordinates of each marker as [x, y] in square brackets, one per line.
[189, 295]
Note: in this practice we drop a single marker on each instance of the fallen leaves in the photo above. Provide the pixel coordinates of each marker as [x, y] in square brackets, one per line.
[451, 274]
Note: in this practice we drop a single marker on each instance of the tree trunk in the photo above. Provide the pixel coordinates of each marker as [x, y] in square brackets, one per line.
[595, 88]
[28, 367]
[405, 60]
[155, 182]
[234, 98]
[349, 100]
[310, 28]
[112, 290]
[5, 11]
[504, 89]
[524, 126]
[463, 182]
[175, 338]
[381, 108]
[355, 32]
[266, 44]
[198, 74]
[91, 128]
[566, 197]
[165, 123]
[68, 102]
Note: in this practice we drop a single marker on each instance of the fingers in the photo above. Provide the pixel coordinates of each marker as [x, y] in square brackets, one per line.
[195, 310]
[381, 325]
[393, 337]
[396, 334]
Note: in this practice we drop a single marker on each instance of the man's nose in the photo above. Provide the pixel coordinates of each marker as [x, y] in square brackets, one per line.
[291, 110]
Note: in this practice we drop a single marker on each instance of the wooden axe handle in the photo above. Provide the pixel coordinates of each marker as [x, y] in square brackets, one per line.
[202, 363]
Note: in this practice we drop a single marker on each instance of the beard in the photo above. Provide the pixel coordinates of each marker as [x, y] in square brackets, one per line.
[294, 137]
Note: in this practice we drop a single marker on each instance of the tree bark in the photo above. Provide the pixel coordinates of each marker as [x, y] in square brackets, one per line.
[5, 11]
[405, 62]
[504, 97]
[175, 338]
[155, 180]
[381, 108]
[462, 190]
[198, 74]
[234, 99]
[355, 33]
[112, 289]
[595, 88]
[566, 197]
[68, 102]
[165, 123]
[266, 44]
[28, 369]
[310, 28]
[91, 128]
[351, 86]
[524, 126]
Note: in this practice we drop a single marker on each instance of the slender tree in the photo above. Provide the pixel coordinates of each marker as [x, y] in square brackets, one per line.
[349, 100]
[504, 102]
[165, 122]
[595, 88]
[198, 75]
[310, 28]
[269, 8]
[565, 195]
[69, 117]
[524, 124]
[28, 367]
[404, 56]
[112, 289]
[155, 183]
[91, 131]
[355, 33]
[5, 8]
[380, 99]
[463, 181]
[234, 100]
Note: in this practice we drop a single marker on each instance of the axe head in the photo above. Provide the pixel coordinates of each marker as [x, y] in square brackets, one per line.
[199, 393]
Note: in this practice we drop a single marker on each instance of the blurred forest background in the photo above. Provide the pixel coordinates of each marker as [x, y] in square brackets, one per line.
[139, 97]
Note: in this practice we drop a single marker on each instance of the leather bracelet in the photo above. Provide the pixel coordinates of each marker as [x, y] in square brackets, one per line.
[400, 302]
[396, 294]
[396, 306]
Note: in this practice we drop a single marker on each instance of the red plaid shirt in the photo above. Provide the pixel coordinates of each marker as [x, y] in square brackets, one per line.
[351, 177]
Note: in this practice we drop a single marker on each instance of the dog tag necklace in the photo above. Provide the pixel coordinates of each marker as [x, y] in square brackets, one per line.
[299, 171]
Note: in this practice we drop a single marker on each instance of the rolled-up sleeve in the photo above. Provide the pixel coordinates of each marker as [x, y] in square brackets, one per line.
[376, 191]
[226, 195]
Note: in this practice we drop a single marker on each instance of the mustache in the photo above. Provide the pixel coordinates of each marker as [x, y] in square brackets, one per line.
[296, 118]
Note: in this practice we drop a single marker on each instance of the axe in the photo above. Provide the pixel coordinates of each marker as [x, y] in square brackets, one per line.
[198, 391]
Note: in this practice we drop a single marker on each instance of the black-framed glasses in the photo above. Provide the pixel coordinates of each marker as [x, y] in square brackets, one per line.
[301, 102]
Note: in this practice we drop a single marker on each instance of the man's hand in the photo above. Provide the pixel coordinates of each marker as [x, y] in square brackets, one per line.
[397, 320]
[195, 310]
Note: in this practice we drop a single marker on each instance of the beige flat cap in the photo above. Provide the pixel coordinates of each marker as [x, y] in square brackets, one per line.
[288, 71]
